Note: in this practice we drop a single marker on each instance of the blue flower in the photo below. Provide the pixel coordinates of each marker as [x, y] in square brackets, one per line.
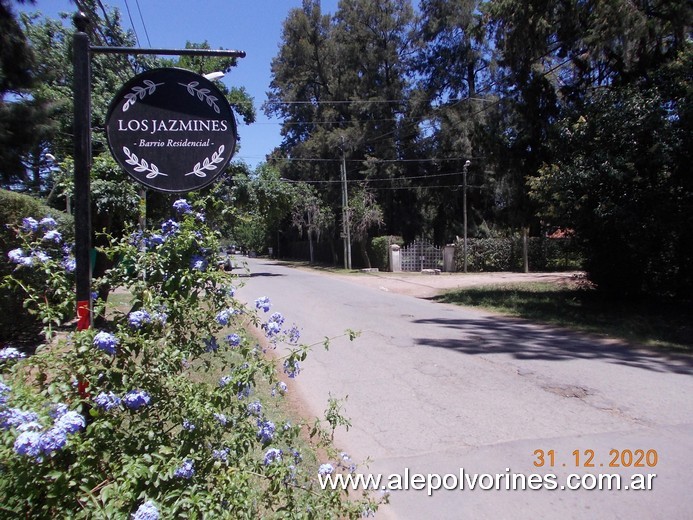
[272, 455]
[294, 335]
[136, 399]
[225, 380]
[170, 227]
[221, 418]
[211, 344]
[58, 410]
[106, 341]
[224, 316]
[69, 264]
[31, 426]
[297, 456]
[233, 339]
[71, 422]
[107, 401]
[52, 236]
[325, 469]
[137, 319]
[182, 206]
[222, 454]
[198, 263]
[28, 444]
[4, 391]
[244, 391]
[265, 432]
[254, 408]
[48, 223]
[263, 303]
[14, 418]
[41, 256]
[186, 470]
[146, 511]
[54, 439]
[29, 224]
[188, 426]
[16, 256]
[154, 241]
[10, 353]
[161, 316]
[291, 367]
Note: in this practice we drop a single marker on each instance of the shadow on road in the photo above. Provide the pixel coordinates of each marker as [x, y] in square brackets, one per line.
[525, 341]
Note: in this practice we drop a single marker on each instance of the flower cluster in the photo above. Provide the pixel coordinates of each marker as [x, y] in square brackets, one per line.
[35, 441]
[182, 206]
[10, 353]
[138, 319]
[107, 401]
[272, 455]
[41, 234]
[147, 511]
[265, 431]
[136, 399]
[186, 470]
[291, 367]
[107, 342]
[263, 303]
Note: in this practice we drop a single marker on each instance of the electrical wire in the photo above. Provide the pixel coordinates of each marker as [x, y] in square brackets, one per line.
[146, 33]
[132, 24]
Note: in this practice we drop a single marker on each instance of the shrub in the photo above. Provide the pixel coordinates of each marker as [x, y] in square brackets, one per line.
[379, 250]
[505, 254]
[125, 422]
[17, 323]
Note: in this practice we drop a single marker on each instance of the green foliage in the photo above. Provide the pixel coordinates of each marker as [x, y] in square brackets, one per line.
[168, 391]
[505, 254]
[622, 182]
[17, 322]
[380, 247]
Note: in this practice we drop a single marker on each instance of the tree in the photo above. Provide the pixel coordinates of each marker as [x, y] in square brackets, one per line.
[622, 182]
[364, 214]
[310, 215]
[25, 119]
[340, 85]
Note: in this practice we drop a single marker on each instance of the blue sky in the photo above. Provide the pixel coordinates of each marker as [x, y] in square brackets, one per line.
[253, 26]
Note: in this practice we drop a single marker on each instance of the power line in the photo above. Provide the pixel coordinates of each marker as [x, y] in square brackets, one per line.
[132, 24]
[146, 33]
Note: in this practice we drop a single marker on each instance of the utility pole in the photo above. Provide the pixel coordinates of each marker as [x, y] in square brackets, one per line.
[464, 211]
[346, 232]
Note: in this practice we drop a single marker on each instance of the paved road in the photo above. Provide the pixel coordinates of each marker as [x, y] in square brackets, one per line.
[434, 388]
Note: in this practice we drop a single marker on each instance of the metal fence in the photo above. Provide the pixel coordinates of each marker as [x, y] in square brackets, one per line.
[421, 254]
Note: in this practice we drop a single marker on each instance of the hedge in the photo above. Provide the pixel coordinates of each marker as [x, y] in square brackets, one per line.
[16, 324]
[505, 254]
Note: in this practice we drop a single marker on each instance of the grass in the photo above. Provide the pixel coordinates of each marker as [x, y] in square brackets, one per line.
[649, 323]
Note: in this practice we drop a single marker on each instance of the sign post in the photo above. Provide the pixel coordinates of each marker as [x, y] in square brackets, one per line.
[207, 147]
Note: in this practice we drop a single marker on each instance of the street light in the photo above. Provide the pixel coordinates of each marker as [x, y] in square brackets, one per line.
[464, 211]
[211, 76]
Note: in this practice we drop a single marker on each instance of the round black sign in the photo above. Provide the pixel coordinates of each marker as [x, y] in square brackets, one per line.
[171, 130]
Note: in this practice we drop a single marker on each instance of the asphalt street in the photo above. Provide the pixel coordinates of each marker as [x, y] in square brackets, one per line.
[439, 389]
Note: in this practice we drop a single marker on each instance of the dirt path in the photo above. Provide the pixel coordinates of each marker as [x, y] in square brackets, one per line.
[422, 285]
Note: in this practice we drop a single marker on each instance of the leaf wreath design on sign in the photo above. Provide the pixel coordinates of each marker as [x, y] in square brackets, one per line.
[142, 165]
[202, 94]
[140, 92]
[208, 164]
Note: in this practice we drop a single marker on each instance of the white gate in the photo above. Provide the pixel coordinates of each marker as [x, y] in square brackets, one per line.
[421, 254]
